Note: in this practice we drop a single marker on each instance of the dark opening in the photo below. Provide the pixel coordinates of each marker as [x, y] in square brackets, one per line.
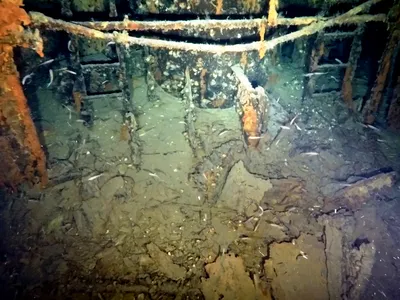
[359, 241]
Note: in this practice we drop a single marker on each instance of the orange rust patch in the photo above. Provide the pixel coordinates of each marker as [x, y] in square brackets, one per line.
[17, 128]
[272, 13]
[11, 17]
[77, 100]
[203, 83]
[22, 155]
[250, 124]
[347, 89]
[219, 7]
[263, 49]
[249, 120]
[124, 133]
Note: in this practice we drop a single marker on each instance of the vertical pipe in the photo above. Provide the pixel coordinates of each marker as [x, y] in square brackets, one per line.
[394, 109]
[347, 83]
[123, 56]
[317, 51]
[373, 103]
[22, 157]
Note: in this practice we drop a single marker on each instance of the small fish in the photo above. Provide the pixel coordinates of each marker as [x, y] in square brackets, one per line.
[373, 127]
[338, 61]
[285, 127]
[29, 76]
[69, 46]
[302, 254]
[261, 209]
[370, 127]
[223, 132]
[95, 177]
[160, 171]
[69, 71]
[257, 225]
[297, 126]
[314, 74]
[334, 78]
[277, 226]
[47, 62]
[294, 119]
[310, 153]
[51, 74]
[154, 175]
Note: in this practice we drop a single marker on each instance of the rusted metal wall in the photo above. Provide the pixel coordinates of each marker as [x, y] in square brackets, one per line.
[21, 156]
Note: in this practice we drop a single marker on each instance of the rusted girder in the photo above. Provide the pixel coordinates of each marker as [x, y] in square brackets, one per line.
[350, 17]
[22, 158]
[317, 51]
[347, 84]
[198, 25]
[203, 25]
[394, 109]
[253, 104]
[374, 102]
[42, 21]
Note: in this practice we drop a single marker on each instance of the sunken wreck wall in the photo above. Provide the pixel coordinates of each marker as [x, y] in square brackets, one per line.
[213, 83]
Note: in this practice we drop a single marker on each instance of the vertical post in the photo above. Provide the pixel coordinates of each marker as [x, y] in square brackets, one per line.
[79, 89]
[372, 105]
[272, 13]
[253, 103]
[299, 52]
[123, 56]
[317, 51]
[113, 9]
[347, 83]
[22, 157]
[394, 109]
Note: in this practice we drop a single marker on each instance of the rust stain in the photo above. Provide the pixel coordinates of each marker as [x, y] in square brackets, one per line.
[250, 124]
[394, 109]
[377, 91]
[18, 129]
[203, 83]
[251, 6]
[263, 49]
[23, 159]
[12, 16]
[272, 13]
[219, 7]
[124, 133]
[77, 100]
[347, 88]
